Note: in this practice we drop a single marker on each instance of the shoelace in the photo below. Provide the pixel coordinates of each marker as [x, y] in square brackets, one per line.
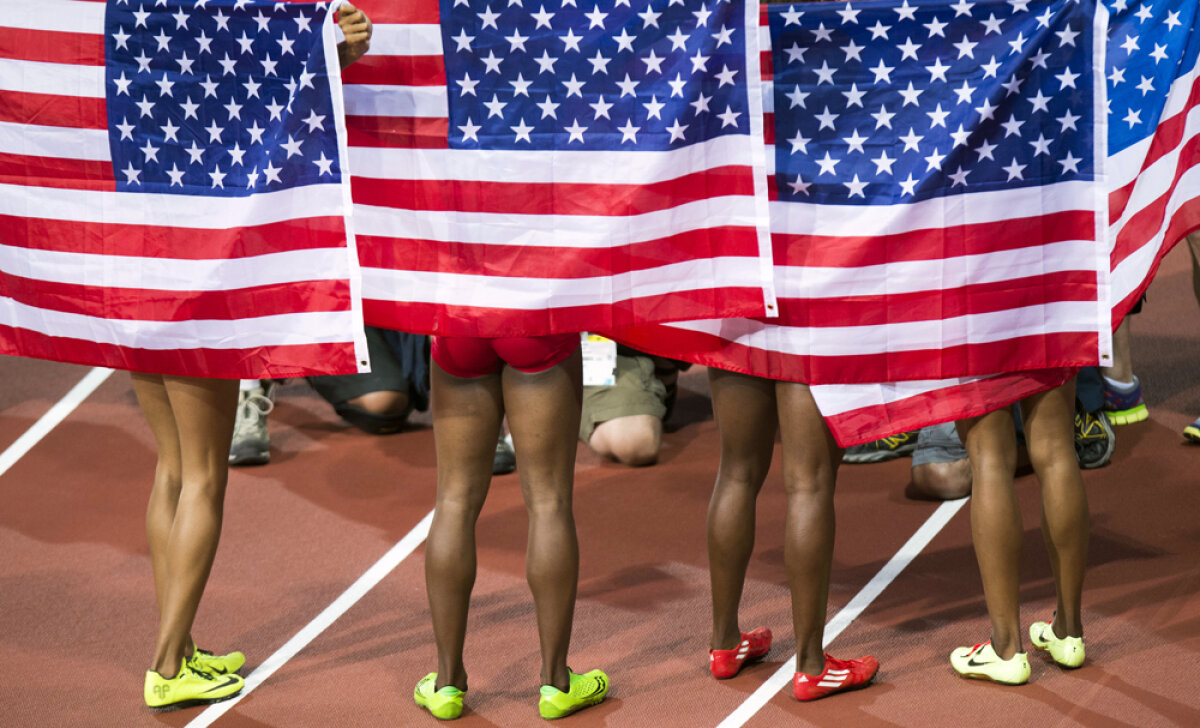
[252, 409]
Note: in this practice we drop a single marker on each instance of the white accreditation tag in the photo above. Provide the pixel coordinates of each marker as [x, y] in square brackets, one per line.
[599, 360]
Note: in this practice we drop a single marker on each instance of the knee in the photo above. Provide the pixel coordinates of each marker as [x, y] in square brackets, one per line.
[941, 481]
[631, 441]
[383, 403]
[377, 413]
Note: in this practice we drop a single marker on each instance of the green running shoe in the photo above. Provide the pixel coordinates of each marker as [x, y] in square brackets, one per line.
[189, 687]
[444, 704]
[982, 662]
[1067, 651]
[586, 690]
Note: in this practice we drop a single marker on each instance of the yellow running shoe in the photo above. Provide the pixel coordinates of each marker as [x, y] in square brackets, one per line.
[1067, 651]
[216, 664]
[1192, 431]
[191, 686]
[444, 704]
[982, 662]
[586, 690]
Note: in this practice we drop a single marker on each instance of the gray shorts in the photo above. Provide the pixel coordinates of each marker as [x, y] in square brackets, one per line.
[938, 444]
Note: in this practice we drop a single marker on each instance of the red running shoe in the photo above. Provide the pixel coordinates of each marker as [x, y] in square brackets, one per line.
[727, 663]
[839, 676]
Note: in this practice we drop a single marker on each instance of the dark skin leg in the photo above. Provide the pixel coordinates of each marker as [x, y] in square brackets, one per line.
[745, 412]
[192, 421]
[810, 461]
[996, 522]
[466, 423]
[543, 415]
[1065, 521]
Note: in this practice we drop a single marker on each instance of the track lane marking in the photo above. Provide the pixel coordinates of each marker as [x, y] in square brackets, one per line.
[53, 417]
[855, 607]
[365, 583]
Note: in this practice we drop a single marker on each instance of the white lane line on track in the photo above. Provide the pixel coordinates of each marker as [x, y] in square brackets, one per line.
[55, 415]
[336, 609]
[783, 676]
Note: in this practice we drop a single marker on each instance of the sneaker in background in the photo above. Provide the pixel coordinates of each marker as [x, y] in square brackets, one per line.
[887, 448]
[1192, 431]
[251, 445]
[754, 645]
[505, 460]
[585, 690]
[838, 676]
[1095, 438]
[1124, 404]
[982, 663]
[191, 686]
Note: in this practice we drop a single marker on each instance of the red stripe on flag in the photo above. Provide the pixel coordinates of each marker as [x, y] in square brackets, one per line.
[522, 261]
[299, 360]
[49, 110]
[767, 61]
[78, 49]
[932, 244]
[454, 320]
[396, 71]
[397, 132]
[131, 304]
[769, 132]
[963, 401]
[1053, 350]
[892, 308]
[1185, 222]
[559, 198]
[80, 174]
[167, 242]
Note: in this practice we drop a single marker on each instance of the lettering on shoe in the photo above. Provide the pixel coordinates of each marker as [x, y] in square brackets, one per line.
[161, 691]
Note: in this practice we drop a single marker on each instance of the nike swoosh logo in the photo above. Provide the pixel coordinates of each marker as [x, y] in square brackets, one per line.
[972, 663]
[228, 681]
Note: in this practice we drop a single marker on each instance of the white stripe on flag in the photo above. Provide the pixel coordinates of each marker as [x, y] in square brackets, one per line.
[54, 141]
[1131, 272]
[973, 329]
[572, 167]
[249, 333]
[395, 39]
[60, 79]
[150, 209]
[62, 16]
[543, 293]
[802, 218]
[1154, 182]
[557, 231]
[412, 101]
[174, 274]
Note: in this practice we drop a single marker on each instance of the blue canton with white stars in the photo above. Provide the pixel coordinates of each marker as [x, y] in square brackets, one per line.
[594, 74]
[903, 101]
[1150, 44]
[218, 97]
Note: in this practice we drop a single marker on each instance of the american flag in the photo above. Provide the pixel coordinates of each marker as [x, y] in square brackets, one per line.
[533, 167]
[937, 202]
[1152, 197]
[173, 194]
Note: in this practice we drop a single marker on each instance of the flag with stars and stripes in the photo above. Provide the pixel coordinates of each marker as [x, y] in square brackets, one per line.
[1153, 80]
[938, 206]
[538, 166]
[173, 191]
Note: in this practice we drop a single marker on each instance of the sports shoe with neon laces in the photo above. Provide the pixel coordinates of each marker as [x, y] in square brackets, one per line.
[1125, 407]
[190, 687]
[1066, 651]
[216, 664]
[982, 663]
[727, 663]
[444, 704]
[887, 448]
[1192, 431]
[586, 690]
[1095, 439]
[838, 676]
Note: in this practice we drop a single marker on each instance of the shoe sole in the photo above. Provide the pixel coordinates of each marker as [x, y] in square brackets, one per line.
[1129, 416]
[877, 457]
[842, 691]
[1111, 435]
[190, 703]
[254, 458]
[575, 709]
[989, 678]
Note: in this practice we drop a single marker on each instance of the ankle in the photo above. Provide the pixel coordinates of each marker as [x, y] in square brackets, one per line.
[810, 665]
[1006, 649]
[724, 639]
[559, 677]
